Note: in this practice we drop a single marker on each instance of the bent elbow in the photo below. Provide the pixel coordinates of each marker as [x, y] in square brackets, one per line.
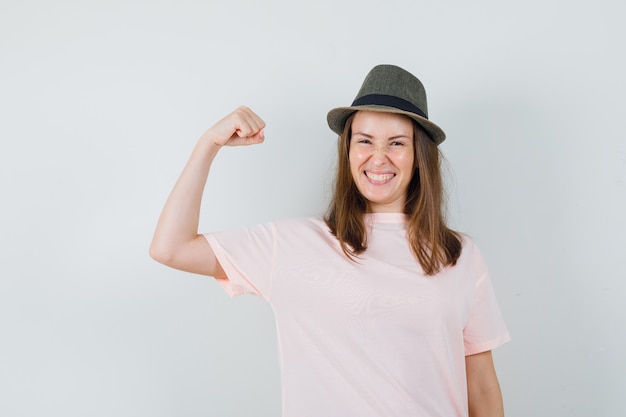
[161, 253]
[194, 255]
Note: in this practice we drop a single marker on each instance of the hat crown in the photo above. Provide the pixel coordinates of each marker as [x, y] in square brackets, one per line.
[390, 89]
[390, 80]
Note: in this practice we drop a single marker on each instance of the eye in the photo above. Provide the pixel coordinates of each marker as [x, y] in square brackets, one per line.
[397, 143]
[365, 141]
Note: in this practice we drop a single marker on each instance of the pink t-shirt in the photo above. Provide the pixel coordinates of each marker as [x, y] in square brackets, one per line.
[374, 337]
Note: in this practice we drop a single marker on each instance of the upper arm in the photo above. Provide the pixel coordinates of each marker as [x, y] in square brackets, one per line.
[483, 389]
[195, 256]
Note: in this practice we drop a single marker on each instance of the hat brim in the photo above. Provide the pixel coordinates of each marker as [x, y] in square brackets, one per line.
[337, 119]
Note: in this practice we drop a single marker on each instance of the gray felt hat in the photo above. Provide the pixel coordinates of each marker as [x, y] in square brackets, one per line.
[390, 89]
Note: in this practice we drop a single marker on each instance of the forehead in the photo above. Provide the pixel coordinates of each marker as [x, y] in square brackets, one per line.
[374, 123]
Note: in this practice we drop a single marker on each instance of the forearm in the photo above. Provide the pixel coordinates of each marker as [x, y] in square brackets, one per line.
[483, 388]
[486, 402]
[178, 223]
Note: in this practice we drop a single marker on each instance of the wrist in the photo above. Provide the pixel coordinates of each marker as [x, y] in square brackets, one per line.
[206, 148]
[209, 142]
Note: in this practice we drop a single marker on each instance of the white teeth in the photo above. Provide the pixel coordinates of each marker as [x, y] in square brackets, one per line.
[381, 177]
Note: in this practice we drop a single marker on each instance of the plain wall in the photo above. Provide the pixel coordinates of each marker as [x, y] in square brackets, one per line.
[102, 102]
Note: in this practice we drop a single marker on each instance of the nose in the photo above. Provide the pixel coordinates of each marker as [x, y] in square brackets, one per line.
[379, 155]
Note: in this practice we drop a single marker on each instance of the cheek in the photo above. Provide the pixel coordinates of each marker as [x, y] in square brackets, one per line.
[356, 159]
[405, 160]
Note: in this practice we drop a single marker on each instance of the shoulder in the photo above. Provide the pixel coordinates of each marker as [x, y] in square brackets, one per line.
[278, 228]
[300, 224]
[304, 232]
[468, 244]
[471, 255]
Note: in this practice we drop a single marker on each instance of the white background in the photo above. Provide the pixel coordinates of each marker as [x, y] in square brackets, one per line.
[102, 102]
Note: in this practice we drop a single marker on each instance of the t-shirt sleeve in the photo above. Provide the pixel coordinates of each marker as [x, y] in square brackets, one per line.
[247, 257]
[485, 328]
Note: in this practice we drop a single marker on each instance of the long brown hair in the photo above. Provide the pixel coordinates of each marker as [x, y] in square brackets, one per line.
[433, 244]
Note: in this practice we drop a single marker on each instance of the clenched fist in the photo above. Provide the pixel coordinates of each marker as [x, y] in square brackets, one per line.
[241, 127]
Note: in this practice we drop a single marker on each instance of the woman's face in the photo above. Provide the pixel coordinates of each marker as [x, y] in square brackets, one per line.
[382, 159]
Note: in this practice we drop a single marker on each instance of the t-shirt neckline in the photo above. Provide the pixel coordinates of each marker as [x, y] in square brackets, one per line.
[378, 218]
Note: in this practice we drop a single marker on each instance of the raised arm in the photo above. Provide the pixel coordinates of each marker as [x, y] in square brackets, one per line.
[176, 241]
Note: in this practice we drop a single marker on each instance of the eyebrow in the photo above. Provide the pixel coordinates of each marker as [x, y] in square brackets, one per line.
[372, 137]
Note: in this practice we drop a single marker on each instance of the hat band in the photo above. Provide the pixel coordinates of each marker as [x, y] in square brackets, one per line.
[389, 101]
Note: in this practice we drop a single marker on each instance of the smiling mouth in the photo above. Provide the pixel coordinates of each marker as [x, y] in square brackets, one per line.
[379, 178]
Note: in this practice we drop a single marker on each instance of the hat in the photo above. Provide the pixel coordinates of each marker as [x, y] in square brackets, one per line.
[390, 89]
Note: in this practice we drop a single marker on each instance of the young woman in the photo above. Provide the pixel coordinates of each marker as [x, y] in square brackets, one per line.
[381, 309]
